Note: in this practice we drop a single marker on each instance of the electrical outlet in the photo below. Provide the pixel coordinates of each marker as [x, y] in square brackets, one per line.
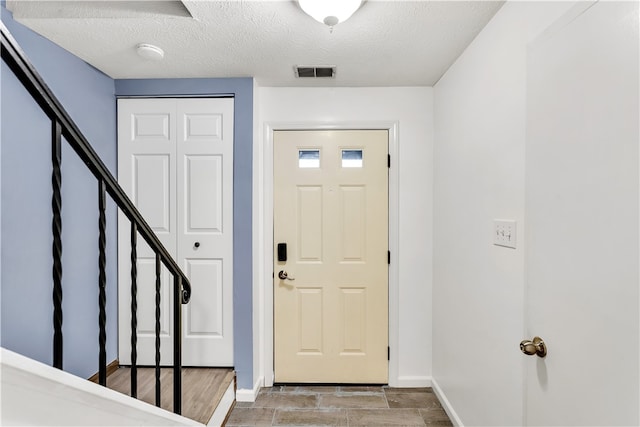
[504, 233]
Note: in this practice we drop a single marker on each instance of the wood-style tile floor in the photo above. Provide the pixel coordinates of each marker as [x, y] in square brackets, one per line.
[202, 388]
[340, 406]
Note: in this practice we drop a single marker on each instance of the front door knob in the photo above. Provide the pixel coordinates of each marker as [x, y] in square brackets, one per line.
[284, 276]
[537, 346]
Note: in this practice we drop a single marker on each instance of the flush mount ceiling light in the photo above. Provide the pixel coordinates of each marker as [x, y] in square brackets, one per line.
[330, 12]
[149, 51]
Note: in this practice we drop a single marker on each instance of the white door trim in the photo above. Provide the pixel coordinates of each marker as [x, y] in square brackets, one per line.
[263, 307]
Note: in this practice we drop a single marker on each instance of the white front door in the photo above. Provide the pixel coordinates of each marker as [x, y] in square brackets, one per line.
[331, 211]
[175, 161]
[582, 245]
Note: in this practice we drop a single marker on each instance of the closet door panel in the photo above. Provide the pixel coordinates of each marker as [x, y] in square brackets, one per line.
[147, 173]
[205, 223]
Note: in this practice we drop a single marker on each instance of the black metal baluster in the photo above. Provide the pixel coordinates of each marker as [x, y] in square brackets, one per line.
[177, 344]
[134, 310]
[102, 283]
[56, 227]
[158, 265]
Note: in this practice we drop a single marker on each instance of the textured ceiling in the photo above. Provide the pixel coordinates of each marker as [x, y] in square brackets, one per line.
[385, 43]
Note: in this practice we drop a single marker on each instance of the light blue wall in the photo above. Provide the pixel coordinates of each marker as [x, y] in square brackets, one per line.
[26, 284]
[242, 90]
[25, 272]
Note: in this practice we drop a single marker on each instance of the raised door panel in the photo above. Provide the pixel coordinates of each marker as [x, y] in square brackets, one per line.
[202, 127]
[353, 321]
[353, 223]
[204, 191]
[309, 223]
[200, 321]
[149, 127]
[146, 315]
[310, 320]
[151, 189]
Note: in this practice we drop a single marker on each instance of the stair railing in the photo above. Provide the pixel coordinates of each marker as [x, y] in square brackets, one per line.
[63, 126]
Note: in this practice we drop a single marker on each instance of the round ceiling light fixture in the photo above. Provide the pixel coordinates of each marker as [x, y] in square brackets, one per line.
[149, 51]
[330, 12]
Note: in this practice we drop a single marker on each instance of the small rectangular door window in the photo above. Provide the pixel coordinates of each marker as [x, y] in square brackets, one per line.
[351, 158]
[309, 158]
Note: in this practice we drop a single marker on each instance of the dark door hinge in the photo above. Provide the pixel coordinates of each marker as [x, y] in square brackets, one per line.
[388, 257]
[388, 160]
[388, 353]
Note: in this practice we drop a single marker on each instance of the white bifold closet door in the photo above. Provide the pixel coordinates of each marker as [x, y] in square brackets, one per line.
[175, 161]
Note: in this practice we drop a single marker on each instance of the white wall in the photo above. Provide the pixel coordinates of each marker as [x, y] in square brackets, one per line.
[479, 175]
[411, 110]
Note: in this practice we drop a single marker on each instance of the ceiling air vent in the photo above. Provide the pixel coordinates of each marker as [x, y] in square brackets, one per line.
[315, 71]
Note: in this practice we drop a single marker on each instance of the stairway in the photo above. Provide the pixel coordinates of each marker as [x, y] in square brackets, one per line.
[208, 394]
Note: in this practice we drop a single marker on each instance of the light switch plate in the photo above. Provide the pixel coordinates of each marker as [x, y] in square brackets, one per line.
[504, 233]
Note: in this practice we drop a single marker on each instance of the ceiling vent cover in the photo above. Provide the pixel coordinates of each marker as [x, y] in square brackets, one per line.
[312, 71]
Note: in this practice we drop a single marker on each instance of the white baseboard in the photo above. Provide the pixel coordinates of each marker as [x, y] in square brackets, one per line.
[223, 408]
[249, 395]
[412, 381]
[453, 416]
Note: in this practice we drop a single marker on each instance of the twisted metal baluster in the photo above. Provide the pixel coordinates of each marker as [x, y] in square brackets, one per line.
[158, 265]
[134, 310]
[56, 227]
[102, 283]
[177, 344]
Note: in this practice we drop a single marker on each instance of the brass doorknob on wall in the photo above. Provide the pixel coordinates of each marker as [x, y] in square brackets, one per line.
[284, 276]
[536, 346]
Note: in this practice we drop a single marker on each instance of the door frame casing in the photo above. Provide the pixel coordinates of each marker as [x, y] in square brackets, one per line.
[265, 269]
